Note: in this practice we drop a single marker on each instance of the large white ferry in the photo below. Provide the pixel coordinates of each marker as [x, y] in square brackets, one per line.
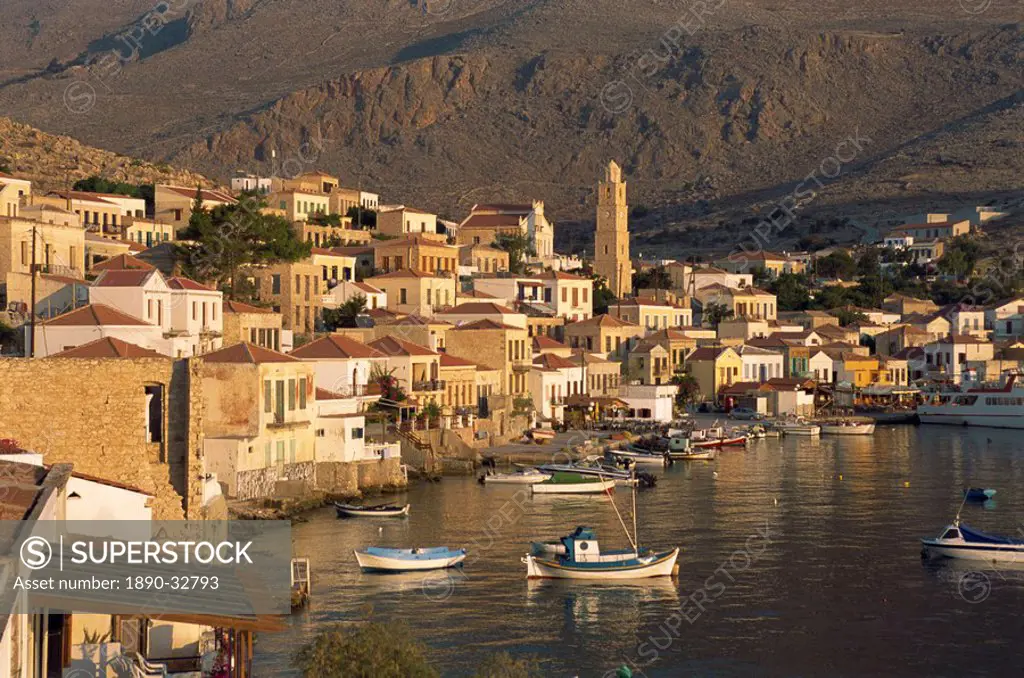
[1000, 407]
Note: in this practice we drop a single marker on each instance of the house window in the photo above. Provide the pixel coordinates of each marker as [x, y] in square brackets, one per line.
[195, 311]
[357, 434]
[291, 395]
[275, 284]
[302, 393]
[402, 299]
[266, 455]
[267, 396]
[177, 214]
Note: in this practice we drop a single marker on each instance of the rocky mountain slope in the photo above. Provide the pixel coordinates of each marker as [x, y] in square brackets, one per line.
[443, 103]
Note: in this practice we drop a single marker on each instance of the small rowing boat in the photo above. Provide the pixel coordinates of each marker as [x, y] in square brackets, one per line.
[580, 557]
[799, 427]
[639, 456]
[383, 511]
[378, 559]
[573, 483]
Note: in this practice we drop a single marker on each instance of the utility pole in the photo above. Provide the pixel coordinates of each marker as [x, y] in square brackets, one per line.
[32, 306]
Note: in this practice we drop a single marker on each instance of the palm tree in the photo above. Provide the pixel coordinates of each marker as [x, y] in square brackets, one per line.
[715, 313]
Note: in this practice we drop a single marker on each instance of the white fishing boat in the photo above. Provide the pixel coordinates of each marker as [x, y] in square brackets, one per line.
[845, 427]
[1001, 407]
[799, 427]
[573, 483]
[960, 541]
[583, 559]
[526, 476]
[640, 456]
[378, 559]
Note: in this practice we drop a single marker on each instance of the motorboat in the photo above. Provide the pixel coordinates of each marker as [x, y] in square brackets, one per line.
[382, 511]
[847, 427]
[799, 427]
[573, 483]
[978, 494]
[590, 466]
[378, 559]
[583, 559]
[640, 456]
[525, 476]
[960, 541]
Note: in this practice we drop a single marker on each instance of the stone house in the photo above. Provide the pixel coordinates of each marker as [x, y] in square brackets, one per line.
[651, 314]
[173, 204]
[604, 335]
[904, 305]
[256, 325]
[425, 254]
[400, 221]
[649, 363]
[92, 322]
[415, 292]
[343, 365]
[498, 346]
[258, 417]
[417, 369]
[472, 312]
[343, 291]
[482, 258]
[14, 193]
[714, 368]
[759, 364]
[294, 290]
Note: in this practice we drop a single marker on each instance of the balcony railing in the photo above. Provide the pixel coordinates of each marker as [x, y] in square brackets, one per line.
[432, 385]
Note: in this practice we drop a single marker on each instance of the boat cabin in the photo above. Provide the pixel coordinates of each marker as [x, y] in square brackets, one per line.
[582, 547]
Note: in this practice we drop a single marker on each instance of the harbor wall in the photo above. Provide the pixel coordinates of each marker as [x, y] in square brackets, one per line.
[95, 414]
[302, 480]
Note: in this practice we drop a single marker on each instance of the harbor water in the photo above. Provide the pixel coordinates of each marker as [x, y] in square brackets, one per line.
[801, 558]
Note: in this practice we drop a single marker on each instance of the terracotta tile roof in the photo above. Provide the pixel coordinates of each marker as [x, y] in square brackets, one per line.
[453, 361]
[542, 342]
[479, 308]
[485, 324]
[108, 347]
[404, 273]
[520, 208]
[394, 346]
[419, 321]
[383, 315]
[207, 194]
[605, 320]
[963, 339]
[562, 275]
[707, 353]
[123, 262]
[335, 346]
[181, 283]
[238, 307]
[247, 353]
[551, 361]
[96, 315]
[66, 279]
[490, 221]
[415, 239]
[363, 287]
[475, 294]
[92, 197]
[352, 250]
[124, 278]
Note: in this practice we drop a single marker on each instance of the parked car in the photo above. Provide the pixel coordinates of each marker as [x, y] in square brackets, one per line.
[744, 413]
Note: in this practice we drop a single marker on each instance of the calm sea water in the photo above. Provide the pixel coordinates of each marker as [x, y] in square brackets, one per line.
[800, 559]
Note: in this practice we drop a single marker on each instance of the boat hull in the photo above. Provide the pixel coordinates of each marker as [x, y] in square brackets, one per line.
[374, 563]
[968, 551]
[702, 455]
[595, 487]
[854, 430]
[663, 565]
[804, 431]
[719, 442]
[356, 512]
[929, 415]
[516, 479]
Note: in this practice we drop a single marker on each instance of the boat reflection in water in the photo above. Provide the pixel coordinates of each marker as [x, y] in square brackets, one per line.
[585, 603]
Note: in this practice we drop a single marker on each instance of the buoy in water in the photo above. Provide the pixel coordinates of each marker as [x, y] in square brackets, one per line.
[906, 483]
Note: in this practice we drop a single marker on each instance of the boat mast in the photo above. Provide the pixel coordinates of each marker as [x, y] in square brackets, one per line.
[622, 522]
[636, 535]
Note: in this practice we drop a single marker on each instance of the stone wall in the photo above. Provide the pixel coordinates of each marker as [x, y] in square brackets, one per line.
[93, 414]
[341, 478]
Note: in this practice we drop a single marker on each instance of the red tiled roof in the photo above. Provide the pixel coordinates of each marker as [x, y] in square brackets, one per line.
[238, 307]
[404, 273]
[490, 221]
[369, 289]
[453, 361]
[706, 353]
[123, 262]
[551, 361]
[247, 353]
[181, 283]
[108, 347]
[542, 342]
[479, 307]
[96, 315]
[605, 320]
[335, 346]
[123, 278]
[514, 208]
[475, 294]
[207, 195]
[394, 346]
[485, 324]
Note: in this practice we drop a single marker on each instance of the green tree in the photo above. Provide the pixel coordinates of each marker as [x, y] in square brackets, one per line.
[761, 276]
[346, 314]
[848, 316]
[688, 389]
[714, 313]
[368, 650]
[321, 219]
[657, 278]
[961, 256]
[8, 335]
[362, 217]
[518, 246]
[792, 291]
[221, 241]
[838, 265]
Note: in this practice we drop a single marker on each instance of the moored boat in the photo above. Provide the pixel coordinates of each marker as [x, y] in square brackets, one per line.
[799, 427]
[591, 466]
[526, 476]
[573, 483]
[583, 559]
[978, 494]
[379, 559]
[1001, 407]
[960, 541]
[640, 456]
[846, 427]
[382, 511]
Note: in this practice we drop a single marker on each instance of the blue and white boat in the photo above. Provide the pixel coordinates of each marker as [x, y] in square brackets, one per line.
[378, 559]
[583, 559]
[978, 493]
[960, 541]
